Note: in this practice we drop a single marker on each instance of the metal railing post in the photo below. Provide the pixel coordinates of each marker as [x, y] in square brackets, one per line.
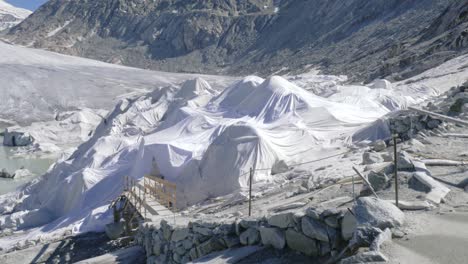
[250, 192]
[396, 167]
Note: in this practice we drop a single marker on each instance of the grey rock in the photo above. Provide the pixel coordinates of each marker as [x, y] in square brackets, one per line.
[315, 229]
[378, 181]
[379, 145]
[313, 213]
[212, 245]
[365, 257]
[301, 243]
[250, 237]
[364, 236]
[433, 124]
[180, 250]
[379, 213]
[279, 167]
[231, 241]
[282, 220]
[324, 248]
[180, 234]
[272, 237]
[383, 237]
[397, 233]
[332, 221]
[405, 161]
[247, 223]
[348, 226]
[115, 230]
[202, 230]
[188, 244]
[16, 138]
[371, 158]
[193, 253]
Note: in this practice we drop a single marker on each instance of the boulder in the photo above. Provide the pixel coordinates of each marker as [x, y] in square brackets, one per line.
[202, 230]
[6, 175]
[272, 237]
[250, 237]
[371, 158]
[381, 238]
[405, 161]
[298, 242]
[282, 220]
[115, 230]
[364, 236]
[365, 257]
[379, 213]
[315, 229]
[18, 138]
[180, 234]
[280, 166]
[378, 180]
[212, 245]
[348, 226]
[248, 222]
[437, 192]
[379, 145]
[231, 241]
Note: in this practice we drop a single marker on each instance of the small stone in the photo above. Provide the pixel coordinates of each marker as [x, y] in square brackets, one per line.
[383, 237]
[397, 233]
[188, 244]
[332, 221]
[379, 145]
[247, 223]
[364, 236]
[378, 181]
[193, 253]
[371, 158]
[313, 213]
[272, 237]
[405, 161]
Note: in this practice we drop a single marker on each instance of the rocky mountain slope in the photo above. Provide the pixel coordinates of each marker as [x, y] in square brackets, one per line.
[10, 15]
[365, 39]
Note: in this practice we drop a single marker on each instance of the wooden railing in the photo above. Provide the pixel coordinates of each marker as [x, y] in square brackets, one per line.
[163, 191]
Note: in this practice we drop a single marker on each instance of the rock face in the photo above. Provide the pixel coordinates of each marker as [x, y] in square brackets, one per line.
[241, 37]
[10, 15]
[16, 138]
[378, 213]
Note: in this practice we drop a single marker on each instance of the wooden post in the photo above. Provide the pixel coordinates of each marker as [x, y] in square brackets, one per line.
[250, 192]
[354, 195]
[364, 179]
[396, 167]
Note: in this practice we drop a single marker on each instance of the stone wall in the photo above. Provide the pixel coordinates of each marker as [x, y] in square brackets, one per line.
[313, 233]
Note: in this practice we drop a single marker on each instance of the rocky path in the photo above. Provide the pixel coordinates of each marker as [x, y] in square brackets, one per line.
[437, 239]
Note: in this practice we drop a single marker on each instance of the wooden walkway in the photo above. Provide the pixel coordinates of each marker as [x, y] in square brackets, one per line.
[152, 198]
